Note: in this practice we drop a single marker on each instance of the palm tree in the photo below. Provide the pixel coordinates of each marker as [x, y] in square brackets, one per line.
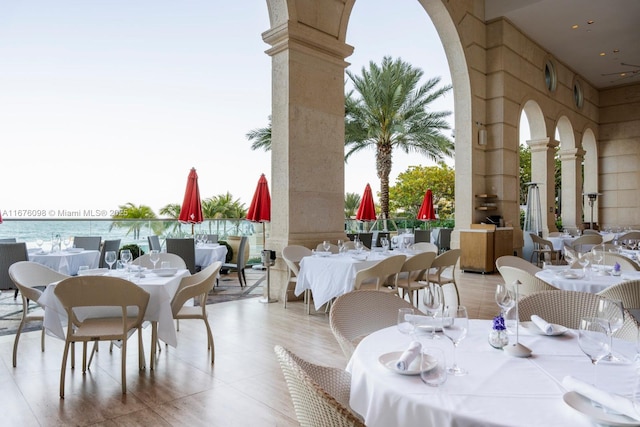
[172, 210]
[223, 206]
[351, 203]
[391, 112]
[261, 137]
[131, 211]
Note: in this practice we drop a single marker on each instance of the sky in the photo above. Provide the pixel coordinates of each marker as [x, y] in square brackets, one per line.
[108, 102]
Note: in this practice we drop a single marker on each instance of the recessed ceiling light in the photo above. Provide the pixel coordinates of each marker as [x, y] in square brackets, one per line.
[623, 74]
[590, 22]
[616, 50]
[574, 26]
[602, 54]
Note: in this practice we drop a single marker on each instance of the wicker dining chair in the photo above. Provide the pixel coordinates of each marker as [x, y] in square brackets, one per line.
[529, 283]
[320, 394]
[31, 279]
[292, 255]
[411, 274]
[356, 314]
[381, 276]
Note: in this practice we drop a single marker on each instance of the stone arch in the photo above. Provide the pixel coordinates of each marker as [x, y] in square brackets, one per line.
[542, 162]
[571, 157]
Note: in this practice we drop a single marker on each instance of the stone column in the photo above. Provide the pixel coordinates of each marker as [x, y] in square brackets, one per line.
[307, 139]
[571, 194]
[543, 173]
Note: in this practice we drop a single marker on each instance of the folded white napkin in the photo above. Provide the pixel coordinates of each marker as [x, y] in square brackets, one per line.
[545, 326]
[611, 401]
[408, 356]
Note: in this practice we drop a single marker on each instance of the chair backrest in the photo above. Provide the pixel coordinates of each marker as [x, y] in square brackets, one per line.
[628, 292]
[566, 308]
[590, 231]
[332, 248]
[175, 261]
[380, 271]
[101, 291]
[241, 262]
[154, 243]
[8, 240]
[542, 244]
[27, 275]
[626, 264]
[292, 255]
[422, 236]
[630, 235]
[356, 314]
[196, 285]
[425, 247]
[10, 253]
[586, 242]
[446, 259]
[320, 394]
[528, 283]
[108, 245]
[555, 234]
[514, 261]
[349, 245]
[89, 243]
[366, 239]
[186, 249]
[417, 264]
[444, 239]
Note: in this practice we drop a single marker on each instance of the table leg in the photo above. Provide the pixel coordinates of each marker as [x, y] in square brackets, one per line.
[154, 343]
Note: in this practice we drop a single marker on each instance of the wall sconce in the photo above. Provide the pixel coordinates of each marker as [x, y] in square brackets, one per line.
[482, 134]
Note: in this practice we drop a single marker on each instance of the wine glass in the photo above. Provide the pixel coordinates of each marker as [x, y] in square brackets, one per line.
[385, 244]
[126, 257]
[455, 324]
[66, 242]
[433, 300]
[569, 256]
[326, 245]
[110, 258]
[597, 255]
[583, 261]
[406, 324]
[39, 243]
[504, 298]
[340, 246]
[611, 315]
[593, 341]
[154, 257]
[359, 245]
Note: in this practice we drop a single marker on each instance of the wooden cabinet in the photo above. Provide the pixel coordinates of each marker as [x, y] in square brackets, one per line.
[482, 245]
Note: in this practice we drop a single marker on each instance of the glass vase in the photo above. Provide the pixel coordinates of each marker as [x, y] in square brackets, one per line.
[498, 338]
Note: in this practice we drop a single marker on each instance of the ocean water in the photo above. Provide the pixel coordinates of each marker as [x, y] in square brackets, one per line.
[128, 231]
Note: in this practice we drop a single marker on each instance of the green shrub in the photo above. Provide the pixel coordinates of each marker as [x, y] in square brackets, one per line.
[135, 250]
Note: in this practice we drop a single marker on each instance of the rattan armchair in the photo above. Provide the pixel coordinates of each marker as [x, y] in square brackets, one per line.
[411, 275]
[529, 283]
[443, 262]
[381, 276]
[320, 394]
[356, 314]
[292, 255]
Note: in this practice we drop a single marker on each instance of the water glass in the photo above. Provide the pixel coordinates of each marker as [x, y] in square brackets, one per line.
[405, 320]
[433, 366]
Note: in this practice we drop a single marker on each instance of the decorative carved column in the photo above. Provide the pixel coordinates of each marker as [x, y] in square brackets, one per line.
[543, 173]
[571, 194]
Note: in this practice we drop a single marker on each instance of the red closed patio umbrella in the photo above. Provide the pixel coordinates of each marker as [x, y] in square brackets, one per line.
[427, 212]
[260, 211]
[367, 209]
[191, 210]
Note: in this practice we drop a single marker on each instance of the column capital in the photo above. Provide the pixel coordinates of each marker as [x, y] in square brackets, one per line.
[571, 154]
[542, 144]
[294, 36]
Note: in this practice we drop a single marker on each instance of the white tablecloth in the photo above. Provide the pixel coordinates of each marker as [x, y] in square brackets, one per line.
[499, 390]
[161, 290]
[593, 284]
[66, 262]
[559, 242]
[329, 277]
[209, 253]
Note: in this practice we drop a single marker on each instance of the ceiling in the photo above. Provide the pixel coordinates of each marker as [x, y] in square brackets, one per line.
[549, 23]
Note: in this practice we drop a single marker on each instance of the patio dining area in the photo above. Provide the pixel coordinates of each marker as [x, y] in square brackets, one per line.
[244, 386]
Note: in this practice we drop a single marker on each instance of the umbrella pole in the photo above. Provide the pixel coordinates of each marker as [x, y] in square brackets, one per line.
[266, 255]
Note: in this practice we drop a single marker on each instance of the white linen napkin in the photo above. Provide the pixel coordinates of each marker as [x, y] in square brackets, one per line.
[545, 326]
[408, 356]
[612, 401]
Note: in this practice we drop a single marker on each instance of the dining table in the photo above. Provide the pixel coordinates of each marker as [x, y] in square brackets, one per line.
[66, 261]
[594, 281]
[499, 389]
[330, 275]
[208, 253]
[161, 290]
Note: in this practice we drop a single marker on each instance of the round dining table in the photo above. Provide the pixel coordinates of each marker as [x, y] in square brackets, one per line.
[499, 389]
[592, 283]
